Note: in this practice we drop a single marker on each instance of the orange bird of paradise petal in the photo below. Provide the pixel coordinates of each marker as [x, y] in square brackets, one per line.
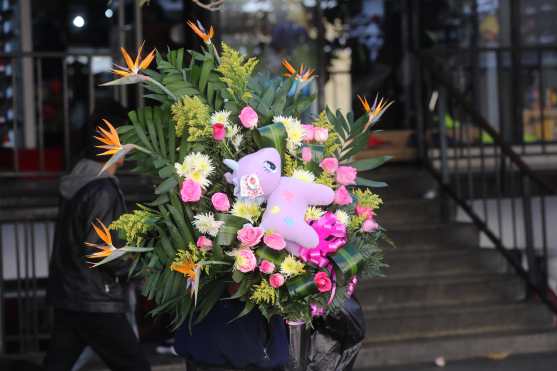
[134, 66]
[200, 32]
[186, 267]
[302, 73]
[104, 234]
[365, 104]
[109, 138]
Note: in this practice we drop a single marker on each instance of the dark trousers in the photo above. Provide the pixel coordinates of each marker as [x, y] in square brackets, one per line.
[109, 334]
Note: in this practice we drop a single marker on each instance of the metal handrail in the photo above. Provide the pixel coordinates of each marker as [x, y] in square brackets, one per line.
[512, 176]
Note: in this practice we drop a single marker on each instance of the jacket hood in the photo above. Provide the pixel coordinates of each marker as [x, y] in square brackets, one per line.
[84, 172]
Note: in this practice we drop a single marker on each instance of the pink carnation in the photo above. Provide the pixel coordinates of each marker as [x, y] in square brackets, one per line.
[321, 134]
[276, 280]
[266, 267]
[366, 212]
[248, 117]
[309, 131]
[329, 164]
[274, 241]
[220, 202]
[342, 196]
[204, 243]
[219, 132]
[323, 282]
[191, 191]
[306, 154]
[369, 226]
[250, 236]
[346, 175]
[245, 260]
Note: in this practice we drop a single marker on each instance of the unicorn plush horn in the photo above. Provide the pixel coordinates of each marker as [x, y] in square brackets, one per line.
[233, 165]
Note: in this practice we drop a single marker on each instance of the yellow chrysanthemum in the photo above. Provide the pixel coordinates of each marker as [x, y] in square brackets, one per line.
[303, 175]
[291, 267]
[313, 213]
[197, 167]
[247, 210]
[294, 131]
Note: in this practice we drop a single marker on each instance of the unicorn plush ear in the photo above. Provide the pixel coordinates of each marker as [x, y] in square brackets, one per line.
[233, 165]
[228, 178]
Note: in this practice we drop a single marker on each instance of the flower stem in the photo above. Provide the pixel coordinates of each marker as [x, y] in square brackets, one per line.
[161, 86]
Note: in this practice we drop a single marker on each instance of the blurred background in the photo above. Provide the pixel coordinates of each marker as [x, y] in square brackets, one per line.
[473, 132]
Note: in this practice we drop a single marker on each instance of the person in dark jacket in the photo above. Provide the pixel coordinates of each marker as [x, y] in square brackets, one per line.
[90, 303]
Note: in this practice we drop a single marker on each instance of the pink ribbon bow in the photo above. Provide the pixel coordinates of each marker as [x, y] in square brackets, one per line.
[332, 236]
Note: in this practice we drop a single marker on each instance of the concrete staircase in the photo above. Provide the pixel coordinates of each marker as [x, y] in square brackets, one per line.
[442, 296]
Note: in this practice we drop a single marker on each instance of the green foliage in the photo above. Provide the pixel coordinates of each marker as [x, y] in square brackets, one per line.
[191, 115]
[134, 227]
[235, 72]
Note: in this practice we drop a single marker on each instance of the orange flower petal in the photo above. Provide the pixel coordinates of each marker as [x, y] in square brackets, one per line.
[103, 232]
[121, 72]
[289, 67]
[147, 61]
[127, 58]
[365, 104]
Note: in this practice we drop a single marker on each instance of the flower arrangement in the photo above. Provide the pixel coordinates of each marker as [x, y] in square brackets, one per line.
[252, 204]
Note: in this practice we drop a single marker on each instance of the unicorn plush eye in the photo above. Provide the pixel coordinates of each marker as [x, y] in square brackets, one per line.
[269, 167]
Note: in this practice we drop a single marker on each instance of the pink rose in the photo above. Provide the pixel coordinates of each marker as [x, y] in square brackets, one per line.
[329, 164]
[220, 202]
[366, 212]
[191, 191]
[369, 226]
[245, 260]
[204, 243]
[342, 196]
[219, 132]
[276, 280]
[321, 134]
[306, 154]
[308, 132]
[323, 282]
[250, 236]
[274, 241]
[346, 175]
[248, 117]
[266, 267]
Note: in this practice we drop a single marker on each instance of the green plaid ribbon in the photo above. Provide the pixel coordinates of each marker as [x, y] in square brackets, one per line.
[301, 286]
[275, 257]
[347, 261]
[273, 135]
[227, 232]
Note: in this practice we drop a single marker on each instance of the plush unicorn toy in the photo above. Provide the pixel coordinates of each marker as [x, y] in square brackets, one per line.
[257, 176]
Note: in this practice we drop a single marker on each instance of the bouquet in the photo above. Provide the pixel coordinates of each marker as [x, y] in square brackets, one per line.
[251, 204]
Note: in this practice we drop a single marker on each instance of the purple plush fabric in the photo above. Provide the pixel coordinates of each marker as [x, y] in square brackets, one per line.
[258, 175]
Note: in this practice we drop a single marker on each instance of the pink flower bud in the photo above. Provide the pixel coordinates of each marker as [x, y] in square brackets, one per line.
[276, 280]
[308, 132]
[306, 154]
[219, 132]
[321, 134]
[220, 202]
[266, 267]
[329, 165]
[248, 117]
[191, 191]
[204, 243]
[342, 196]
[346, 175]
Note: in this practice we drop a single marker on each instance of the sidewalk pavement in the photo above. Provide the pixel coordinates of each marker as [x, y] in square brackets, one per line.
[527, 362]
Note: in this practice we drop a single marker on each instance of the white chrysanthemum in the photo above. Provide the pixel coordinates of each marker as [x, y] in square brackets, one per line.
[294, 131]
[220, 117]
[303, 175]
[237, 141]
[343, 217]
[206, 224]
[197, 167]
[313, 213]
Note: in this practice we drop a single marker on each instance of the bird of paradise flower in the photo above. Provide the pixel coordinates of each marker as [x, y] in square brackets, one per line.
[108, 252]
[110, 142]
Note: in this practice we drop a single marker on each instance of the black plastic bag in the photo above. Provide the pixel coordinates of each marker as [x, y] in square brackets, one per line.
[337, 339]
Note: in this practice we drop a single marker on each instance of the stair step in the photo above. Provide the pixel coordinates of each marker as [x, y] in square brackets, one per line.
[455, 348]
[387, 293]
[405, 324]
[404, 263]
[408, 212]
[433, 236]
[398, 179]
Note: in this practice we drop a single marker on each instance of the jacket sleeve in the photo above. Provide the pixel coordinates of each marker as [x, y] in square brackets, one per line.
[105, 204]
